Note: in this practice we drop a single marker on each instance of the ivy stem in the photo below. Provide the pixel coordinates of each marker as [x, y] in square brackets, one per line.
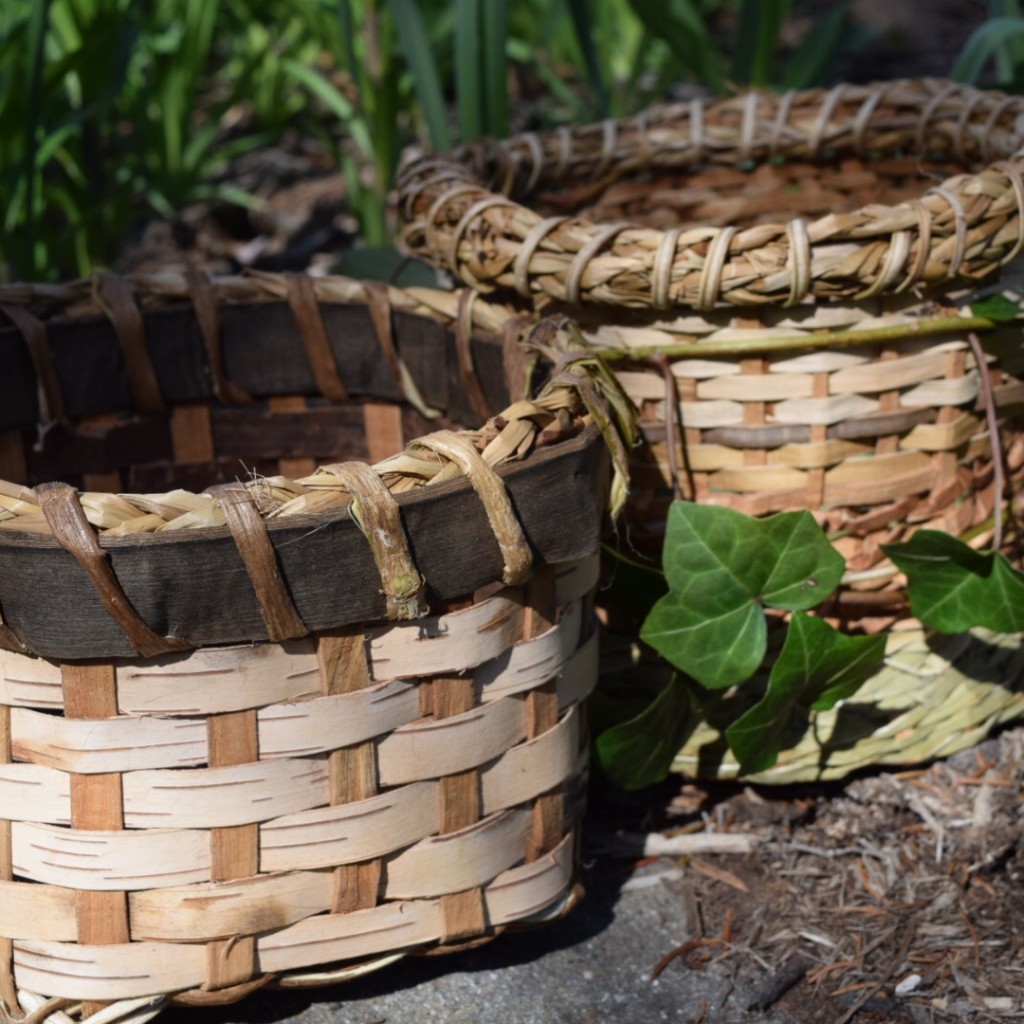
[925, 326]
[995, 437]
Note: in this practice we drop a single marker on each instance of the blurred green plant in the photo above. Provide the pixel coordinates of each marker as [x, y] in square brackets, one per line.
[112, 112]
[999, 44]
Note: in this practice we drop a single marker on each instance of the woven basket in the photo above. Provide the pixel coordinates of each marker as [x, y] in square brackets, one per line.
[296, 725]
[784, 285]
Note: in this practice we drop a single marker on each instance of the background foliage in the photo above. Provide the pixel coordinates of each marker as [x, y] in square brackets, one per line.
[112, 112]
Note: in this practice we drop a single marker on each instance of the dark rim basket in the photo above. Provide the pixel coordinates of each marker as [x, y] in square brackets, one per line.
[318, 715]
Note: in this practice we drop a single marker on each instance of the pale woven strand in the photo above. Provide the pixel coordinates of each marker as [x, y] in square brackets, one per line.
[466, 219]
[1013, 175]
[123, 1011]
[440, 203]
[992, 120]
[781, 121]
[929, 110]
[959, 226]
[799, 260]
[515, 550]
[564, 135]
[317, 979]
[536, 235]
[711, 273]
[824, 116]
[609, 138]
[924, 244]
[963, 125]
[579, 265]
[749, 127]
[661, 269]
[863, 118]
[896, 256]
[536, 151]
[697, 129]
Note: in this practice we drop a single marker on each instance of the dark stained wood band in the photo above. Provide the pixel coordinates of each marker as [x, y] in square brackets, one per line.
[464, 351]
[178, 582]
[262, 354]
[33, 330]
[118, 301]
[71, 530]
[249, 530]
[306, 310]
[207, 309]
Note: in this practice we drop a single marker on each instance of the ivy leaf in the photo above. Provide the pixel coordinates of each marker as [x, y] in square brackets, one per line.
[721, 566]
[639, 752]
[953, 588]
[817, 667]
[997, 308]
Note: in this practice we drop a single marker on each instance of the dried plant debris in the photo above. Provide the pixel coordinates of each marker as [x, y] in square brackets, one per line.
[895, 897]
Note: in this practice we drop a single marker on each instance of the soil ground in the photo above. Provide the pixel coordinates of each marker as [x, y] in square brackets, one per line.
[895, 897]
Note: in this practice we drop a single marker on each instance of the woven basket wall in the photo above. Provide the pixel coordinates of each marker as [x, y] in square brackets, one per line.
[784, 285]
[294, 726]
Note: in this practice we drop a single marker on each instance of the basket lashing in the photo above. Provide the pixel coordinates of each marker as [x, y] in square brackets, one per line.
[962, 228]
[204, 820]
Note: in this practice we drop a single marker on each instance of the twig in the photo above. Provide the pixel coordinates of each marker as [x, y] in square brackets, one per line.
[657, 845]
[770, 991]
[995, 437]
[825, 339]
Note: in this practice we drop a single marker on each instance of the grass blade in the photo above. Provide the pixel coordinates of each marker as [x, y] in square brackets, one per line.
[758, 39]
[985, 43]
[415, 44]
[825, 41]
[493, 34]
[468, 85]
[39, 20]
[683, 29]
[579, 12]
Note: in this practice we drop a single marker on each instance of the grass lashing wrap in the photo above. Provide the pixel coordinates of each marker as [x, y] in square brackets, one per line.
[323, 710]
[796, 291]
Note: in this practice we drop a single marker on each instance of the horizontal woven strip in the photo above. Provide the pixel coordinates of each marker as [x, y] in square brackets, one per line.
[191, 798]
[964, 227]
[146, 968]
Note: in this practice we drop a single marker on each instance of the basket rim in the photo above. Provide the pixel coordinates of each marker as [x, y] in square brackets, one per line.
[458, 213]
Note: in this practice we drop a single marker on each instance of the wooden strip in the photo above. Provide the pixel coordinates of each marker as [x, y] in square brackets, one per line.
[8, 989]
[296, 466]
[220, 910]
[944, 436]
[109, 745]
[461, 860]
[436, 748]
[38, 912]
[531, 888]
[110, 862]
[747, 387]
[459, 802]
[93, 973]
[234, 850]
[56, 612]
[888, 375]
[542, 714]
[347, 833]
[191, 434]
[384, 434]
[12, 456]
[221, 797]
[90, 691]
[351, 770]
[29, 792]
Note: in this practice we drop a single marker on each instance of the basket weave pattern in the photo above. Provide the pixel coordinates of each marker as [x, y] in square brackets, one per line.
[785, 287]
[465, 212]
[309, 764]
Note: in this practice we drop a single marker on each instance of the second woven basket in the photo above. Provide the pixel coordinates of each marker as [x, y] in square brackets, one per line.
[792, 290]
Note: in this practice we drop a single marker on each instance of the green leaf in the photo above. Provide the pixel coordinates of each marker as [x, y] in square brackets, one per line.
[984, 44]
[415, 44]
[817, 667]
[639, 752]
[998, 308]
[953, 588]
[721, 566]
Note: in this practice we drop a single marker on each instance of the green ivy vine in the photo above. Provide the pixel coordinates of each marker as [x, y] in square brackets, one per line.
[725, 574]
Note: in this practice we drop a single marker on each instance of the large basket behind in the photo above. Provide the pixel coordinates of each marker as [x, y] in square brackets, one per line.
[789, 288]
[316, 716]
